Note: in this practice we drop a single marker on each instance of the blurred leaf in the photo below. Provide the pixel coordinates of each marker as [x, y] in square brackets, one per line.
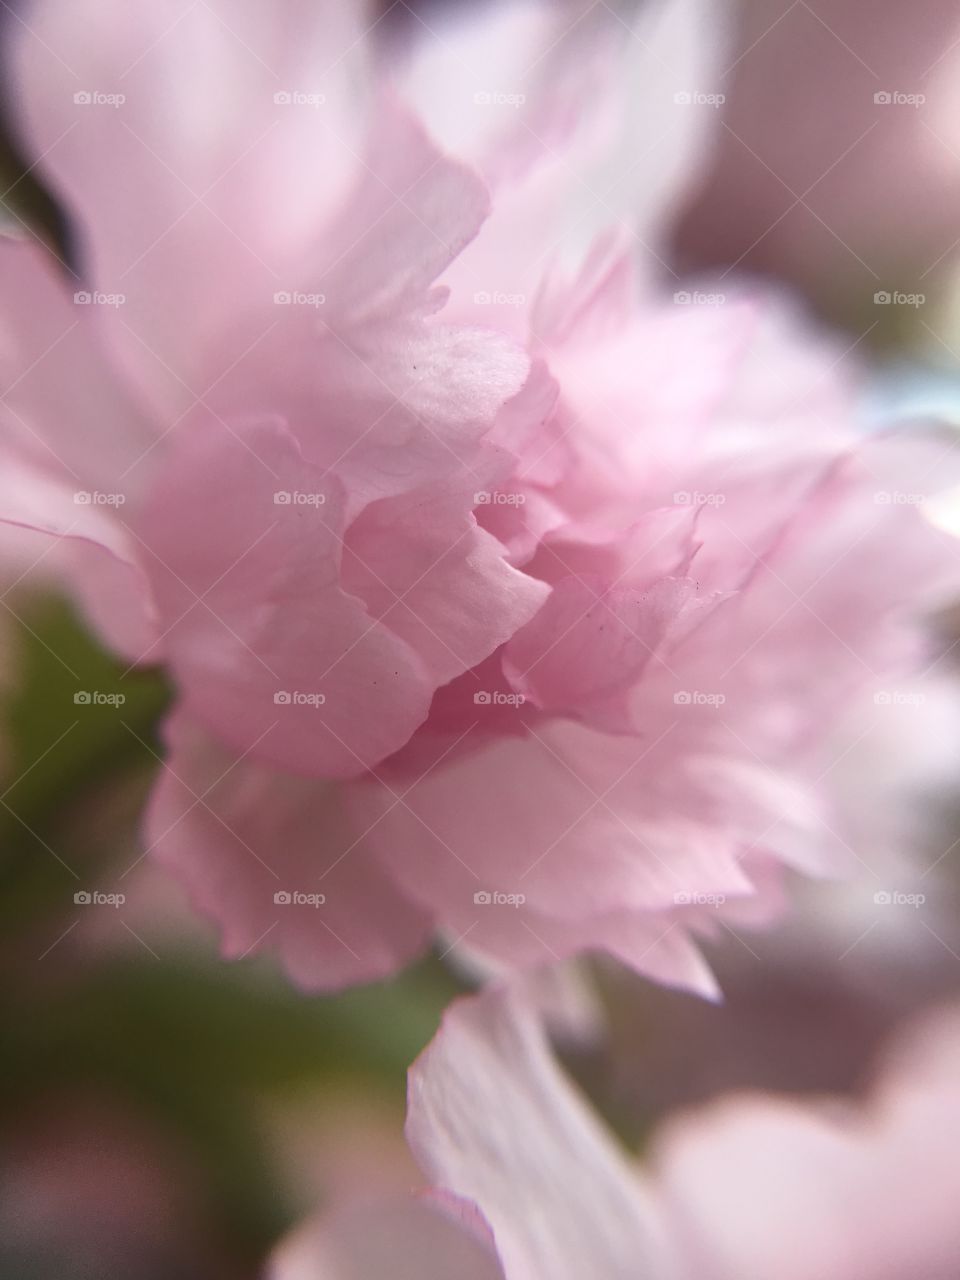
[60, 750]
[196, 1046]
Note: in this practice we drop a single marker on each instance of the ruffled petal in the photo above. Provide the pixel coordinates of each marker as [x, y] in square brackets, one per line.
[279, 866]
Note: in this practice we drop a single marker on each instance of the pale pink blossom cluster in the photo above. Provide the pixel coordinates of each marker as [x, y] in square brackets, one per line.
[515, 592]
[509, 594]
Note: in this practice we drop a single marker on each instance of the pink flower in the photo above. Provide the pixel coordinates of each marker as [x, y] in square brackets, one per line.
[529, 619]
[749, 1187]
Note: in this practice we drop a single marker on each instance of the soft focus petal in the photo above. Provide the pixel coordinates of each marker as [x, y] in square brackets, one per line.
[315, 646]
[493, 1119]
[406, 1240]
[276, 862]
[572, 114]
[64, 407]
[175, 138]
[762, 1186]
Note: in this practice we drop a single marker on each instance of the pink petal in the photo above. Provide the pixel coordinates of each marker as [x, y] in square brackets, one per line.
[65, 407]
[492, 1119]
[584, 825]
[588, 646]
[270, 651]
[264, 598]
[403, 1239]
[255, 848]
[555, 106]
[439, 581]
[191, 191]
[96, 555]
[762, 1186]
